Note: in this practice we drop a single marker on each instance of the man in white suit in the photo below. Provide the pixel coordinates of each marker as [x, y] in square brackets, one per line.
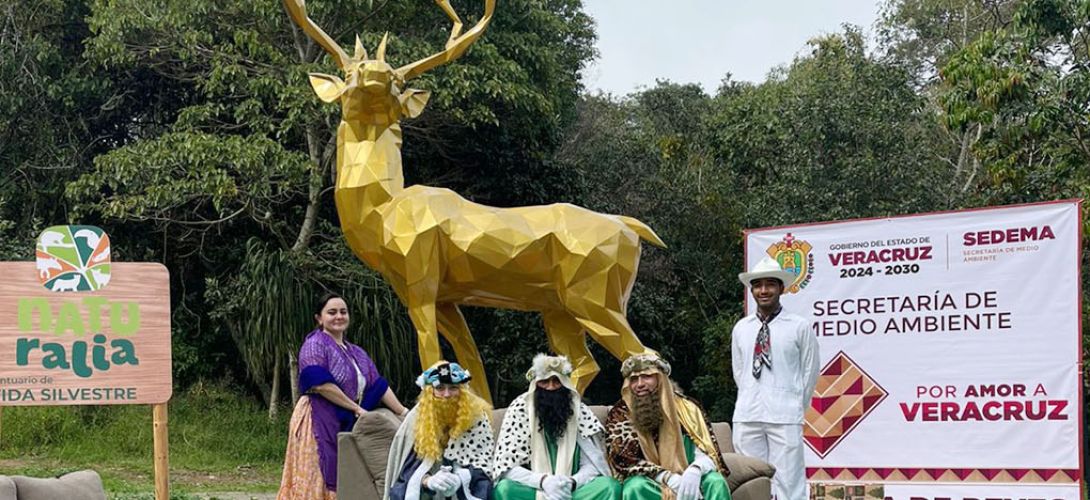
[774, 355]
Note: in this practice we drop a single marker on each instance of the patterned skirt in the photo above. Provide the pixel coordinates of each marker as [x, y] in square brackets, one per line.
[302, 479]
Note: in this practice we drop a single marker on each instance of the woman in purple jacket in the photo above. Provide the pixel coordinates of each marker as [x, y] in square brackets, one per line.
[339, 383]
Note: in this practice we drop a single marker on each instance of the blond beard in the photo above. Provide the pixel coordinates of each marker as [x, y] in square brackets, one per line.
[440, 420]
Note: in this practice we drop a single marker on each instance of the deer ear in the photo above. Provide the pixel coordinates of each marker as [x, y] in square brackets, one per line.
[413, 102]
[328, 87]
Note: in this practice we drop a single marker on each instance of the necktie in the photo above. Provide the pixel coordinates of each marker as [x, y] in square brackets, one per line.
[762, 349]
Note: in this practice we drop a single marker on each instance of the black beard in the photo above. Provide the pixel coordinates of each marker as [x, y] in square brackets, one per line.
[647, 413]
[553, 410]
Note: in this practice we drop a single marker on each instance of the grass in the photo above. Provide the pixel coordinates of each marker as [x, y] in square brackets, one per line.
[219, 441]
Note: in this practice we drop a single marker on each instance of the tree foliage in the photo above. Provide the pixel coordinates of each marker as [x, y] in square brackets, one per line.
[1027, 87]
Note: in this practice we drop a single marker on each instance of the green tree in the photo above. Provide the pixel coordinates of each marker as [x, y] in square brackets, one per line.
[54, 116]
[922, 36]
[1025, 89]
[836, 135]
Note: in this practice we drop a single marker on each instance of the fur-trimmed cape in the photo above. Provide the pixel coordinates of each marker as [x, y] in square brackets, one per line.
[469, 456]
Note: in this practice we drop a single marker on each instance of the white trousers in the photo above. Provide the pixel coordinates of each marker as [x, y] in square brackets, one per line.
[780, 445]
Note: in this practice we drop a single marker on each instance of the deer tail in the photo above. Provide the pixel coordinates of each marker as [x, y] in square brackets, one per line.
[643, 230]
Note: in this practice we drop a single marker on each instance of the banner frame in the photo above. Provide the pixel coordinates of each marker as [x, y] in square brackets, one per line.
[1078, 303]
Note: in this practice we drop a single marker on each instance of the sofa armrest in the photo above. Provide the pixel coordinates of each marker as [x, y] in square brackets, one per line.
[79, 485]
[362, 454]
[744, 469]
[7, 487]
[355, 480]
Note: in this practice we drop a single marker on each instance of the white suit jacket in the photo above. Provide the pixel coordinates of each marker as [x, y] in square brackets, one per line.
[782, 394]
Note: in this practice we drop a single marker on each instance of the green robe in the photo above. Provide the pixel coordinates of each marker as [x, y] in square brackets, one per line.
[712, 485]
[599, 488]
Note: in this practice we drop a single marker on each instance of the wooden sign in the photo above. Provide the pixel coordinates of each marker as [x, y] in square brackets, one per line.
[100, 347]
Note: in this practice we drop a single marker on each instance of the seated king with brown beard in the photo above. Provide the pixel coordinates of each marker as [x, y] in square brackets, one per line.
[551, 445]
[660, 442]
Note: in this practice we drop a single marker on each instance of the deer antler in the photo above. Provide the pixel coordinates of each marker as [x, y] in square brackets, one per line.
[456, 44]
[297, 9]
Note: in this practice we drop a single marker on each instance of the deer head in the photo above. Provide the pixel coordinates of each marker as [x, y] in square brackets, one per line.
[372, 89]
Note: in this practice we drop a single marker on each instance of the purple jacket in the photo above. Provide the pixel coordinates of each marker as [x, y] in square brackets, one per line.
[321, 360]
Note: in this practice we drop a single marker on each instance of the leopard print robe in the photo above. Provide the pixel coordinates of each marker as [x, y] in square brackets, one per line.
[624, 453]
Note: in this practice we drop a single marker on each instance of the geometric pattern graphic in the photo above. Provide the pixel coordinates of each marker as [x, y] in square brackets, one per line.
[943, 475]
[73, 258]
[843, 397]
[820, 491]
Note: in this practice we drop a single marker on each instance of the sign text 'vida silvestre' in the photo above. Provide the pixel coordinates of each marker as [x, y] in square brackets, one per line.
[39, 320]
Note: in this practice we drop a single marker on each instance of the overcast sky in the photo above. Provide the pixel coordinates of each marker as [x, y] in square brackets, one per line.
[701, 41]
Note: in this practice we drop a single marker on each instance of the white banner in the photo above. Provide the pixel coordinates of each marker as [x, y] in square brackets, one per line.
[950, 345]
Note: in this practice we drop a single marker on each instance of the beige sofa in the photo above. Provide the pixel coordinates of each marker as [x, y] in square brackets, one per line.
[80, 485]
[361, 458]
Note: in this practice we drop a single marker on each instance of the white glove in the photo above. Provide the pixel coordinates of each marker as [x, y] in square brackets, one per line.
[584, 476]
[444, 483]
[673, 481]
[453, 490]
[557, 487]
[689, 487]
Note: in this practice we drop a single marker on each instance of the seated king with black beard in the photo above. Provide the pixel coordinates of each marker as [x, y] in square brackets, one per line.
[550, 445]
[660, 442]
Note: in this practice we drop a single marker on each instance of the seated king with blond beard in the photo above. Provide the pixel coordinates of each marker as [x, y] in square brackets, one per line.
[443, 449]
[660, 442]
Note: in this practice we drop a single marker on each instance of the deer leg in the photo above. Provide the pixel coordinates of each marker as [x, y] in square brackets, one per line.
[606, 323]
[566, 337]
[418, 289]
[611, 330]
[427, 338]
[454, 328]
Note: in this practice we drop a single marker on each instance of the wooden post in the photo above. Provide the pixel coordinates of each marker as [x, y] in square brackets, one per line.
[159, 433]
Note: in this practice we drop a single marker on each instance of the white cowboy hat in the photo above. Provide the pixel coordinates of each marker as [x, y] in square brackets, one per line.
[767, 268]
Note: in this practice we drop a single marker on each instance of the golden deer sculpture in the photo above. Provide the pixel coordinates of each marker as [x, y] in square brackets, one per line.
[438, 250]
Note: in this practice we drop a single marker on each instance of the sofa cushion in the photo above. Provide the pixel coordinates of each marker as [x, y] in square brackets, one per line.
[723, 436]
[79, 485]
[497, 421]
[601, 411]
[743, 468]
[374, 433]
[7, 487]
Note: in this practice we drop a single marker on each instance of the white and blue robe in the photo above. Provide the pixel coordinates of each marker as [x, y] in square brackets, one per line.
[469, 456]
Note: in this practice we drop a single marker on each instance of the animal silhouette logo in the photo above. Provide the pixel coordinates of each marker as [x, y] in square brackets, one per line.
[73, 258]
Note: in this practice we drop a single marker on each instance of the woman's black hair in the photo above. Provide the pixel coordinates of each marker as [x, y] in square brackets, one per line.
[325, 300]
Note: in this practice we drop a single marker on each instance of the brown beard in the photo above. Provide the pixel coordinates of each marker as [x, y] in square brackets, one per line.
[647, 413]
